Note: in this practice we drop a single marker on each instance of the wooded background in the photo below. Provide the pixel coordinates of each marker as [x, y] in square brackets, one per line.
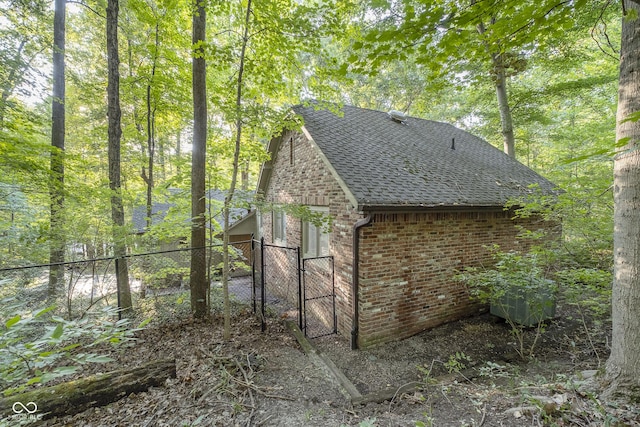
[106, 106]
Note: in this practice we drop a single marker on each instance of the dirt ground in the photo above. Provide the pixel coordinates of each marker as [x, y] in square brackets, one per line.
[468, 371]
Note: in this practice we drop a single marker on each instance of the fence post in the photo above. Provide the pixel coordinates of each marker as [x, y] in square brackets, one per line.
[117, 265]
[263, 325]
[333, 292]
[300, 291]
[253, 274]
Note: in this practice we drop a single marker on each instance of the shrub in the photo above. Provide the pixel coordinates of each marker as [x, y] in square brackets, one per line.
[37, 347]
[515, 278]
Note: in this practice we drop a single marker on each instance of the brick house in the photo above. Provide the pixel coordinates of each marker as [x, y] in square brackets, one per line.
[412, 201]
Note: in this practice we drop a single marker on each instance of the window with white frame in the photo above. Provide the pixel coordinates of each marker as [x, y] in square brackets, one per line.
[315, 239]
[279, 227]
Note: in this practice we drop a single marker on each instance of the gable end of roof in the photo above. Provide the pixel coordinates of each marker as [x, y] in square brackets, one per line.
[415, 163]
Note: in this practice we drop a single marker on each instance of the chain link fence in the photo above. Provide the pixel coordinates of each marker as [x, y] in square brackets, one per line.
[155, 279]
[295, 288]
[319, 302]
[276, 282]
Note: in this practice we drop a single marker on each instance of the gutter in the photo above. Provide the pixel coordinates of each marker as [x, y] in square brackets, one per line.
[428, 208]
[355, 279]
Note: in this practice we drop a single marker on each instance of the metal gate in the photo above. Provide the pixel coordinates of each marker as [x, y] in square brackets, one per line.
[319, 297]
[277, 280]
[293, 286]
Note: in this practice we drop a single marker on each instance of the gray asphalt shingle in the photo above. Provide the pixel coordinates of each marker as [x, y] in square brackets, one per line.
[387, 163]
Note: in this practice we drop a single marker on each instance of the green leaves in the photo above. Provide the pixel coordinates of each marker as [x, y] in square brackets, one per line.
[26, 360]
[9, 323]
[83, 358]
[44, 311]
[144, 323]
[57, 332]
[199, 49]
[588, 288]
[513, 273]
[633, 117]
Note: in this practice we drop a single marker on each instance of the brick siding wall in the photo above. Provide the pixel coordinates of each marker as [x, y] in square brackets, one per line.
[407, 262]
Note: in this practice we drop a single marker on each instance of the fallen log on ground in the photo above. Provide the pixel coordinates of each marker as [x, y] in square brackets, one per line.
[78, 395]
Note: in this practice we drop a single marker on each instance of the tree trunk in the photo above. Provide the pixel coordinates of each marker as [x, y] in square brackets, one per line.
[623, 366]
[115, 133]
[151, 137]
[178, 146]
[162, 174]
[16, 70]
[506, 120]
[198, 276]
[97, 390]
[57, 239]
[234, 178]
[500, 84]
[244, 177]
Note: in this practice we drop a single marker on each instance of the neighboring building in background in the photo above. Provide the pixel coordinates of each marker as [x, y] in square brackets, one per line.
[172, 231]
[215, 202]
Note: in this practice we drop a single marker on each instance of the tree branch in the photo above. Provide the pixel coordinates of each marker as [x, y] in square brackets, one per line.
[88, 7]
[593, 30]
[531, 21]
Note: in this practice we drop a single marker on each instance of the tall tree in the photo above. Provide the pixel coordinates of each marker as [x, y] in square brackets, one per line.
[22, 45]
[56, 187]
[623, 366]
[499, 67]
[263, 52]
[115, 133]
[14, 70]
[151, 132]
[465, 40]
[198, 276]
[234, 175]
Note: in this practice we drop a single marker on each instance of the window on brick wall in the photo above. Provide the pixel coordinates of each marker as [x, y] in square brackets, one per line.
[279, 228]
[315, 240]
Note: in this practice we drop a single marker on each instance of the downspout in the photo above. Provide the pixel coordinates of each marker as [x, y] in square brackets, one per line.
[355, 279]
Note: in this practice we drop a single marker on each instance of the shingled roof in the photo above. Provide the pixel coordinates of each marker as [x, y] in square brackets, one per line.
[382, 163]
[215, 197]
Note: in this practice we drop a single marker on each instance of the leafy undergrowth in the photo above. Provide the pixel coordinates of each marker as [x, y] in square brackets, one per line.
[469, 373]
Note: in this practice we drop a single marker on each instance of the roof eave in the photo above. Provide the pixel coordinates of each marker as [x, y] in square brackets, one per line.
[398, 208]
[267, 167]
[348, 193]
